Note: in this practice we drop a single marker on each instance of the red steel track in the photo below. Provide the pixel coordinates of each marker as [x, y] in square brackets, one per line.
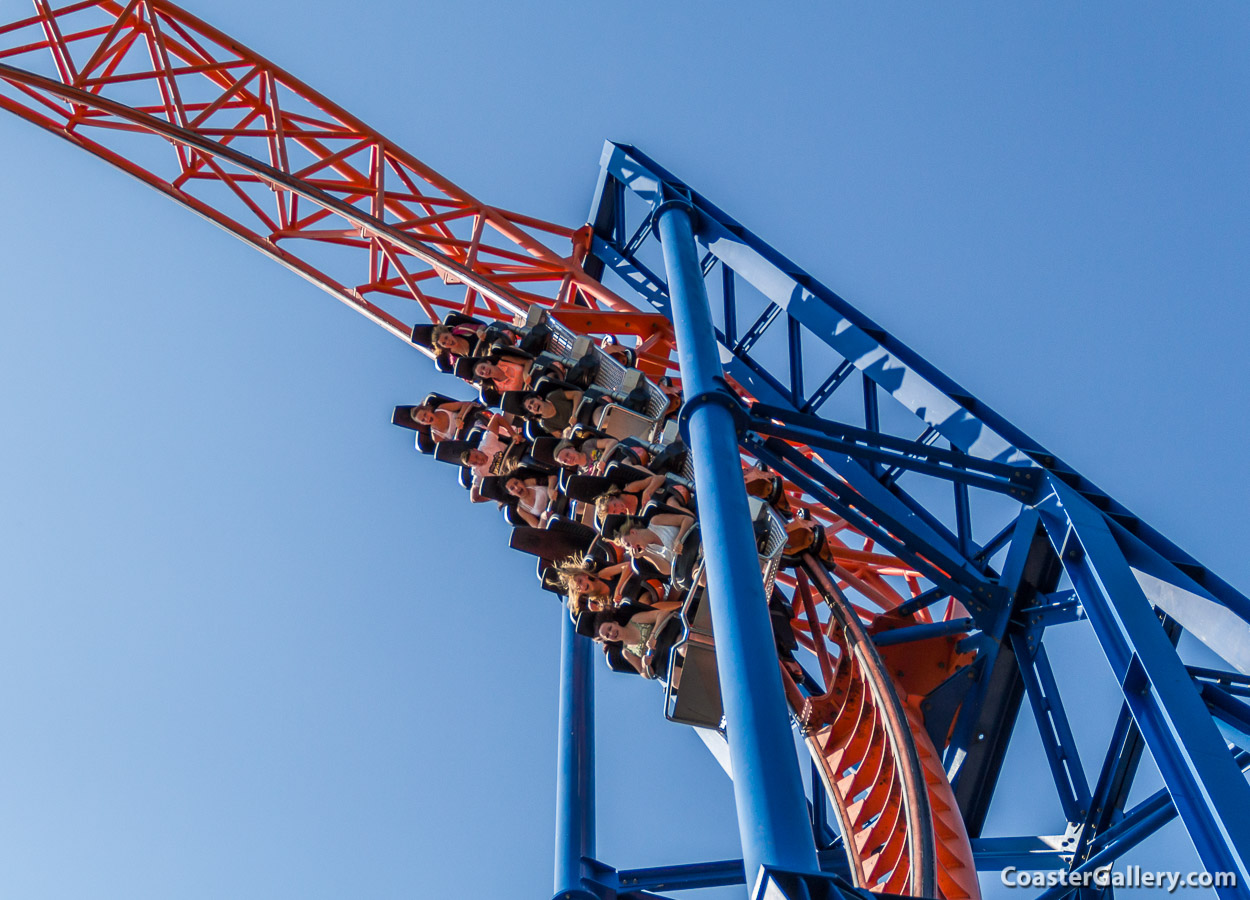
[194, 114]
[264, 156]
[884, 776]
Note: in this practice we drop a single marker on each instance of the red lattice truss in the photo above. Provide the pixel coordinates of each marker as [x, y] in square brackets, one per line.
[269, 159]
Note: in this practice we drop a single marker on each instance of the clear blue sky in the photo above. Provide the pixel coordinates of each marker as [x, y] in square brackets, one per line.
[254, 646]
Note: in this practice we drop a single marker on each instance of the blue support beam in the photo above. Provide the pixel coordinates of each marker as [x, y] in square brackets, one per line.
[1028, 853]
[986, 720]
[907, 455]
[923, 632]
[828, 386]
[1119, 767]
[1053, 727]
[768, 787]
[1207, 787]
[903, 374]
[575, 768]
[877, 513]
[1115, 780]
[1120, 565]
[687, 877]
[1140, 823]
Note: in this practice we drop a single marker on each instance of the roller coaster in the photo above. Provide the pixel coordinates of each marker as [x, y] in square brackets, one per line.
[867, 555]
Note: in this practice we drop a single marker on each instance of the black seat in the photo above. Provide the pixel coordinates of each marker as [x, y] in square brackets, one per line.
[561, 539]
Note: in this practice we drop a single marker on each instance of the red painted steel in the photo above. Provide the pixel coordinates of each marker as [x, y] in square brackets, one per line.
[259, 153]
[882, 772]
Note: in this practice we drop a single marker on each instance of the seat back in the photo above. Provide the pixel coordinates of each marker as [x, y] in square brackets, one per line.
[692, 696]
[617, 421]
[771, 532]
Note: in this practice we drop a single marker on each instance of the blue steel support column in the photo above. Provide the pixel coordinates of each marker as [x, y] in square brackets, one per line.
[575, 766]
[768, 788]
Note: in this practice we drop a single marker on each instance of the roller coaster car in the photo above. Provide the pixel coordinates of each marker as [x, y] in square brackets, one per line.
[557, 340]
[692, 696]
[626, 356]
[673, 460]
[402, 416]
[598, 368]
[548, 578]
[616, 660]
[693, 693]
[621, 422]
[491, 487]
[423, 333]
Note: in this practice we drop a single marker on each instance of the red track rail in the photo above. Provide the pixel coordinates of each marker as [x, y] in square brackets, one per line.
[258, 152]
[880, 769]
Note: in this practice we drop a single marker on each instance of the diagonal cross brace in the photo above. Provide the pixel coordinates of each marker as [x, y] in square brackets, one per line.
[876, 447]
[877, 513]
[1207, 787]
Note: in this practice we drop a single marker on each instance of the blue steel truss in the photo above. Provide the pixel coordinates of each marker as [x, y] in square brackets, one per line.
[799, 349]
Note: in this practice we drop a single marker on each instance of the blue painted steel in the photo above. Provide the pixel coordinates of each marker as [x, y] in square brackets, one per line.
[821, 830]
[575, 767]
[978, 740]
[1028, 853]
[896, 369]
[922, 601]
[1053, 727]
[878, 514]
[1119, 767]
[1228, 708]
[1232, 682]
[688, 877]
[729, 296]
[1214, 622]
[916, 458]
[795, 335]
[1116, 556]
[776, 884]
[828, 386]
[1208, 789]
[920, 449]
[963, 517]
[965, 421]
[1144, 820]
[695, 876]
[1158, 808]
[1058, 608]
[768, 788]
[636, 275]
[922, 632]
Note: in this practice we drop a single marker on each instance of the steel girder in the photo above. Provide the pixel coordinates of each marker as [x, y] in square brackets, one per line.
[1136, 588]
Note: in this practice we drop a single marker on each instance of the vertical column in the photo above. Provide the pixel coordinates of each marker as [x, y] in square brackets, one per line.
[768, 787]
[575, 766]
